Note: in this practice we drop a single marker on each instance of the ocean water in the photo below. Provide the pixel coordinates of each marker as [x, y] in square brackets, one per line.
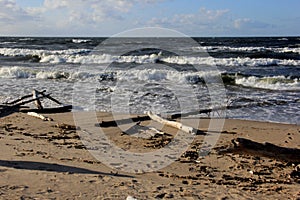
[259, 77]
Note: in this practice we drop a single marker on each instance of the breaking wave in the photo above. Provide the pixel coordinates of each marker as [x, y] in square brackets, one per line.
[271, 83]
[155, 75]
[86, 56]
[78, 41]
[245, 49]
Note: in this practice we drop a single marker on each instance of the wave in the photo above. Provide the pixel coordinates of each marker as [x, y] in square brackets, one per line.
[155, 75]
[271, 83]
[231, 62]
[41, 53]
[26, 39]
[8, 42]
[245, 49]
[14, 72]
[78, 41]
[283, 39]
[86, 56]
[181, 60]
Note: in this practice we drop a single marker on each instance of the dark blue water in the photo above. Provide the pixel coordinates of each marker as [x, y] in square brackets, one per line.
[260, 75]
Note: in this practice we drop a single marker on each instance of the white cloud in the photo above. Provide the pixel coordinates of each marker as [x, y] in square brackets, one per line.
[55, 4]
[89, 11]
[246, 23]
[203, 20]
[238, 23]
[11, 13]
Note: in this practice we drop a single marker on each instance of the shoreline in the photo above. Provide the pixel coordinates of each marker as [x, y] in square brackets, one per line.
[43, 160]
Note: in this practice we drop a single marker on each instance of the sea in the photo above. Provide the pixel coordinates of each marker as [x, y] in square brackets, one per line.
[257, 78]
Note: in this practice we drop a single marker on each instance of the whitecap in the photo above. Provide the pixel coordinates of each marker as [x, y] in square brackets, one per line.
[271, 83]
[14, 72]
[78, 41]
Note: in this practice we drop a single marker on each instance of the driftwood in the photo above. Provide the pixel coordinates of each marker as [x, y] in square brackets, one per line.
[174, 124]
[33, 114]
[242, 145]
[115, 123]
[18, 104]
[149, 116]
[10, 108]
[49, 97]
[18, 100]
[229, 107]
[60, 109]
[37, 102]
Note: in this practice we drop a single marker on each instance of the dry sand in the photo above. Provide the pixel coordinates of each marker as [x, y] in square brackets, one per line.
[40, 160]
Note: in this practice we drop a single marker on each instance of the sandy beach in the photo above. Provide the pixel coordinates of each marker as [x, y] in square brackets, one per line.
[47, 160]
[149, 99]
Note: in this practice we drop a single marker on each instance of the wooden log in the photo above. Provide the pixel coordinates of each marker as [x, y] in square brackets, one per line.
[37, 102]
[18, 100]
[266, 149]
[228, 107]
[60, 109]
[16, 105]
[31, 95]
[174, 124]
[115, 123]
[28, 101]
[33, 114]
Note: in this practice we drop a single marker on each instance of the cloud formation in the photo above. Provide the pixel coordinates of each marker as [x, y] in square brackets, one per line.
[246, 23]
[106, 17]
[11, 13]
[203, 21]
[89, 11]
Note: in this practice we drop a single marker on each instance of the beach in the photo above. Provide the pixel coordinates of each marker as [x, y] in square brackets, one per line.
[47, 160]
[151, 99]
[106, 149]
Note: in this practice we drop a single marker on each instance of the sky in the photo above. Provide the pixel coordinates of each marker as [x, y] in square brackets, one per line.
[97, 18]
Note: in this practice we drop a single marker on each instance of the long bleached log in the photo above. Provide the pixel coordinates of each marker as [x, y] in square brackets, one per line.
[34, 114]
[174, 124]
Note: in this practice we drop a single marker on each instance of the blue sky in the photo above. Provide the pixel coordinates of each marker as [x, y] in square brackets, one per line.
[109, 17]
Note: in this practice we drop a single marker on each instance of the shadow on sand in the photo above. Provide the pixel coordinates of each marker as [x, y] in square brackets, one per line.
[52, 167]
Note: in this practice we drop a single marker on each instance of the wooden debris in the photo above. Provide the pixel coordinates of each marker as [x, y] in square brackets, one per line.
[18, 104]
[229, 107]
[266, 149]
[37, 102]
[60, 109]
[33, 114]
[115, 123]
[174, 124]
